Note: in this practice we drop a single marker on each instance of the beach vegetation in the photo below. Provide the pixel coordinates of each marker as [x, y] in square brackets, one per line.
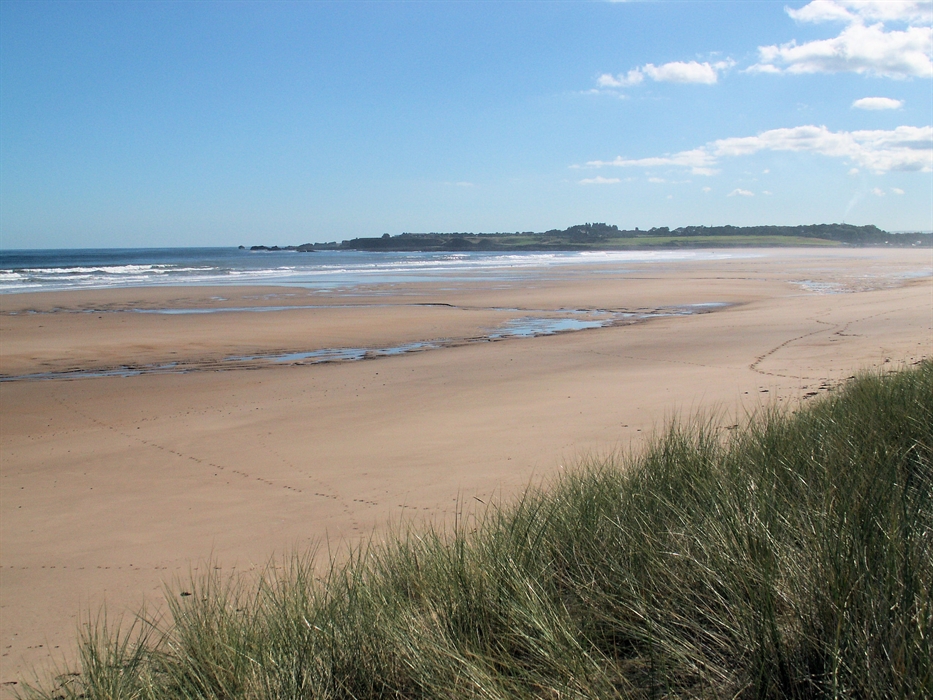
[790, 556]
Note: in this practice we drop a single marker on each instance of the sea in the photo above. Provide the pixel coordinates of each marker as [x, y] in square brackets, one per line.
[102, 268]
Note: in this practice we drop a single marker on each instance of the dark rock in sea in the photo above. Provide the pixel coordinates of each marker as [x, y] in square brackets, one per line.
[303, 248]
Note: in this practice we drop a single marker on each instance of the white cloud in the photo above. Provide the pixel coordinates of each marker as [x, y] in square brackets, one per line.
[910, 11]
[740, 193]
[675, 72]
[859, 49]
[908, 148]
[877, 191]
[683, 72]
[769, 192]
[707, 189]
[821, 11]
[897, 190]
[633, 77]
[599, 180]
[864, 48]
[656, 179]
[876, 103]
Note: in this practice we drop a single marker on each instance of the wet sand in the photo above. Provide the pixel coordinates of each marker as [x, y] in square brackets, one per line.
[110, 486]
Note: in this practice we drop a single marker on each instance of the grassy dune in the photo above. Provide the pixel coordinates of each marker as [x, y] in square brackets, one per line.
[790, 557]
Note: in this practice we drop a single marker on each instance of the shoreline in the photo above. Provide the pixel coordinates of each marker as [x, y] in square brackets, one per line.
[331, 272]
[111, 485]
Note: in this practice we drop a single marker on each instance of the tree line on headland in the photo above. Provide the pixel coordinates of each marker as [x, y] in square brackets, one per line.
[601, 236]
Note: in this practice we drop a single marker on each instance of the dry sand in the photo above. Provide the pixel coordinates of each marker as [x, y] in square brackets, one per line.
[111, 486]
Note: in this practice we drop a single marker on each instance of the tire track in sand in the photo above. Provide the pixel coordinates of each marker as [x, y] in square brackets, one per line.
[838, 329]
[181, 455]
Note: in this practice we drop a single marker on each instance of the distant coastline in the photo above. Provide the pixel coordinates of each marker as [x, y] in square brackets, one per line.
[600, 236]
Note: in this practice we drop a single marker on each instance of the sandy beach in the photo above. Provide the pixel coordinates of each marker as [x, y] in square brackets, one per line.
[111, 486]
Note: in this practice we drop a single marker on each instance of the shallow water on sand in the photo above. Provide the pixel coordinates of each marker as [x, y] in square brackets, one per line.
[531, 325]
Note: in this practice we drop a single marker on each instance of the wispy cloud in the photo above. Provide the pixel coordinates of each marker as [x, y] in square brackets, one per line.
[903, 148]
[877, 103]
[740, 193]
[698, 160]
[866, 45]
[599, 180]
[907, 148]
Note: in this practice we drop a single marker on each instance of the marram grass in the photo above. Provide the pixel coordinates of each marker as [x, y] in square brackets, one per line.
[792, 558]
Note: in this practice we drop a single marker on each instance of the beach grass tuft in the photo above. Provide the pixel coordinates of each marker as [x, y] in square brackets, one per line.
[791, 557]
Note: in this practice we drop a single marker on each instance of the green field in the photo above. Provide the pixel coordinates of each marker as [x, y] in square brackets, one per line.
[519, 242]
[790, 556]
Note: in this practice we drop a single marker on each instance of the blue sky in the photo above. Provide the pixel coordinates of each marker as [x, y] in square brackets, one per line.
[198, 123]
